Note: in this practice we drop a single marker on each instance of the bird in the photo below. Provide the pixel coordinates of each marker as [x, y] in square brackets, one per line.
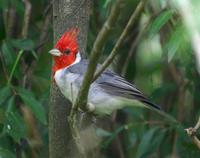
[108, 93]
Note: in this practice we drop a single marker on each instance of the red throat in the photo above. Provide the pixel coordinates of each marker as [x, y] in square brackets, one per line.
[62, 62]
[68, 41]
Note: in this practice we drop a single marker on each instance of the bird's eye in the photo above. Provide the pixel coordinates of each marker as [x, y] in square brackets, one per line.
[67, 51]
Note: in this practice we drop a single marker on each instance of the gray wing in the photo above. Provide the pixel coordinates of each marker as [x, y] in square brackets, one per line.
[113, 84]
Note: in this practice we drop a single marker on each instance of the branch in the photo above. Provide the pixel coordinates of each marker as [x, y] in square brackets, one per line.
[10, 21]
[95, 54]
[48, 8]
[126, 31]
[191, 132]
[27, 16]
[45, 28]
[133, 46]
[178, 78]
[29, 68]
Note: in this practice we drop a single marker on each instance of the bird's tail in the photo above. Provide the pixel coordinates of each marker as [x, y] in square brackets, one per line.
[145, 101]
[161, 112]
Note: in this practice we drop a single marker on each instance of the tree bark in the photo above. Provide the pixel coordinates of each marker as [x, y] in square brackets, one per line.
[66, 14]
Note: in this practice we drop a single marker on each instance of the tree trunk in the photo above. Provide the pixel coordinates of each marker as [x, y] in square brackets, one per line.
[66, 14]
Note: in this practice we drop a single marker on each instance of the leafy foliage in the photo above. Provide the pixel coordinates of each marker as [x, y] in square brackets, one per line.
[6, 153]
[14, 126]
[161, 63]
[33, 104]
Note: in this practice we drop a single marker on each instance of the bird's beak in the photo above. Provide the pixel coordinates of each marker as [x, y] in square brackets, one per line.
[55, 52]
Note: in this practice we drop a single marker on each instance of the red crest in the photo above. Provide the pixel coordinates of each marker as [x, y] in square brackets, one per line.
[68, 40]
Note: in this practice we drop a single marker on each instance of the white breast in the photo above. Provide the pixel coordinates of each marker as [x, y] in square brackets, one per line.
[65, 82]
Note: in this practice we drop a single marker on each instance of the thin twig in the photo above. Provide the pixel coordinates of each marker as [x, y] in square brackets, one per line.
[197, 125]
[48, 8]
[95, 54]
[180, 83]
[24, 33]
[125, 32]
[42, 40]
[45, 28]
[191, 132]
[44, 33]
[175, 74]
[27, 16]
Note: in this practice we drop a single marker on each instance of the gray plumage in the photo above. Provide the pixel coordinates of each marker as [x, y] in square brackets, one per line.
[110, 83]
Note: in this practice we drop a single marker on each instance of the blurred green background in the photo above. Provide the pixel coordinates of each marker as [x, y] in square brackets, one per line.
[158, 56]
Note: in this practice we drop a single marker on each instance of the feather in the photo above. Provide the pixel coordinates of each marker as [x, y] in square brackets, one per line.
[68, 39]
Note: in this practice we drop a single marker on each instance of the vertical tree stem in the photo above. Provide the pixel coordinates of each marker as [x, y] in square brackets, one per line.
[66, 14]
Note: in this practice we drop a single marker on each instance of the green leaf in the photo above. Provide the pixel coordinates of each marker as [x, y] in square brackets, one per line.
[107, 2]
[132, 138]
[14, 68]
[4, 153]
[102, 133]
[175, 41]
[157, 140]
[35, 106]
[112, 136]
[11, 105]
[5, 92]
[4, 4]
[146, 142]
[159, 22]
[24, 44]
[2, 117]
[8, 53]
[15, 126]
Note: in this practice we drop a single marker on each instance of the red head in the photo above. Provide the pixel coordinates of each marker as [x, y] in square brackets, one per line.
[65, 50]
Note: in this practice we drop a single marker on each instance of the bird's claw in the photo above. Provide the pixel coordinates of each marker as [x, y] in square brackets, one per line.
[91, 107]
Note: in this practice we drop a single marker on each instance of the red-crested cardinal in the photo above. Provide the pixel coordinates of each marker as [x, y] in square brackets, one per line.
[108, 93]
